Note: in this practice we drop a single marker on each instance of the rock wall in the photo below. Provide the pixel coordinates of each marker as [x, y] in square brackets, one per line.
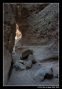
[9, 37]
[40, 27]
[6, 65]
[9, 27]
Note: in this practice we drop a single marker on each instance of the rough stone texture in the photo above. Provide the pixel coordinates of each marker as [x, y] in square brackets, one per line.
[40, 28]
[9, 28]
[6, 65]
[37, 28]
[19, 66]
[26, 53]
[28, 64]
[15, 57]
[38, 25]
[19, 63]
[30, 61]
[44, 73]
[31, 57]
[25, 77]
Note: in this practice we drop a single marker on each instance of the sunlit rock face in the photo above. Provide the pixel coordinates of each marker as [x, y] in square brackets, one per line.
[18, 33]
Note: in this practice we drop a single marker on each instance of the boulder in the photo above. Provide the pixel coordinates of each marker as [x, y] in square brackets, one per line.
[44, 73]
[30, 60]
[33, 60]
[26, 53]
[28, 64]
[19, 66]
[31, 57]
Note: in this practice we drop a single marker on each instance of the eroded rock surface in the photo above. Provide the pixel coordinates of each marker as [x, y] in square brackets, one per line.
[26, 53]
[18, 62]
[44, 73]
[19, 66]
[9, 35]
[38, 24]
[6, 65]
[9, 27]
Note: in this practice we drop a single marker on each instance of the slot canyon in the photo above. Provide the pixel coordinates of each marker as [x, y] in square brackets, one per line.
[31, 44]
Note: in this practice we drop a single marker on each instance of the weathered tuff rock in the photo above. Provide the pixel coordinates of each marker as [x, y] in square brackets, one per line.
[6, 65]
[19, 66]
[44, 73]
[37, 25]
[28, 58]
[30, 61]
[9, 27]
[28, 64]
[26, 53]
[9, 38]
[41, 28]
[18, 63]
[31, 57]
[15, 57]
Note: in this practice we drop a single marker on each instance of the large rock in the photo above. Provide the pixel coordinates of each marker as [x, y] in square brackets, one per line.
[19, 66]
[28, 64]
[29, 61]
[32, 58]
[26, 53]
[44, 73]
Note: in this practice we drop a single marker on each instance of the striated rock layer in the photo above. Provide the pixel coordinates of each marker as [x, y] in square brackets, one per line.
[41, 27]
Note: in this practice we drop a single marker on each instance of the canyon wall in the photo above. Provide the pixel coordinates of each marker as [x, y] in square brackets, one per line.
[40, 26]
[9, 28]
